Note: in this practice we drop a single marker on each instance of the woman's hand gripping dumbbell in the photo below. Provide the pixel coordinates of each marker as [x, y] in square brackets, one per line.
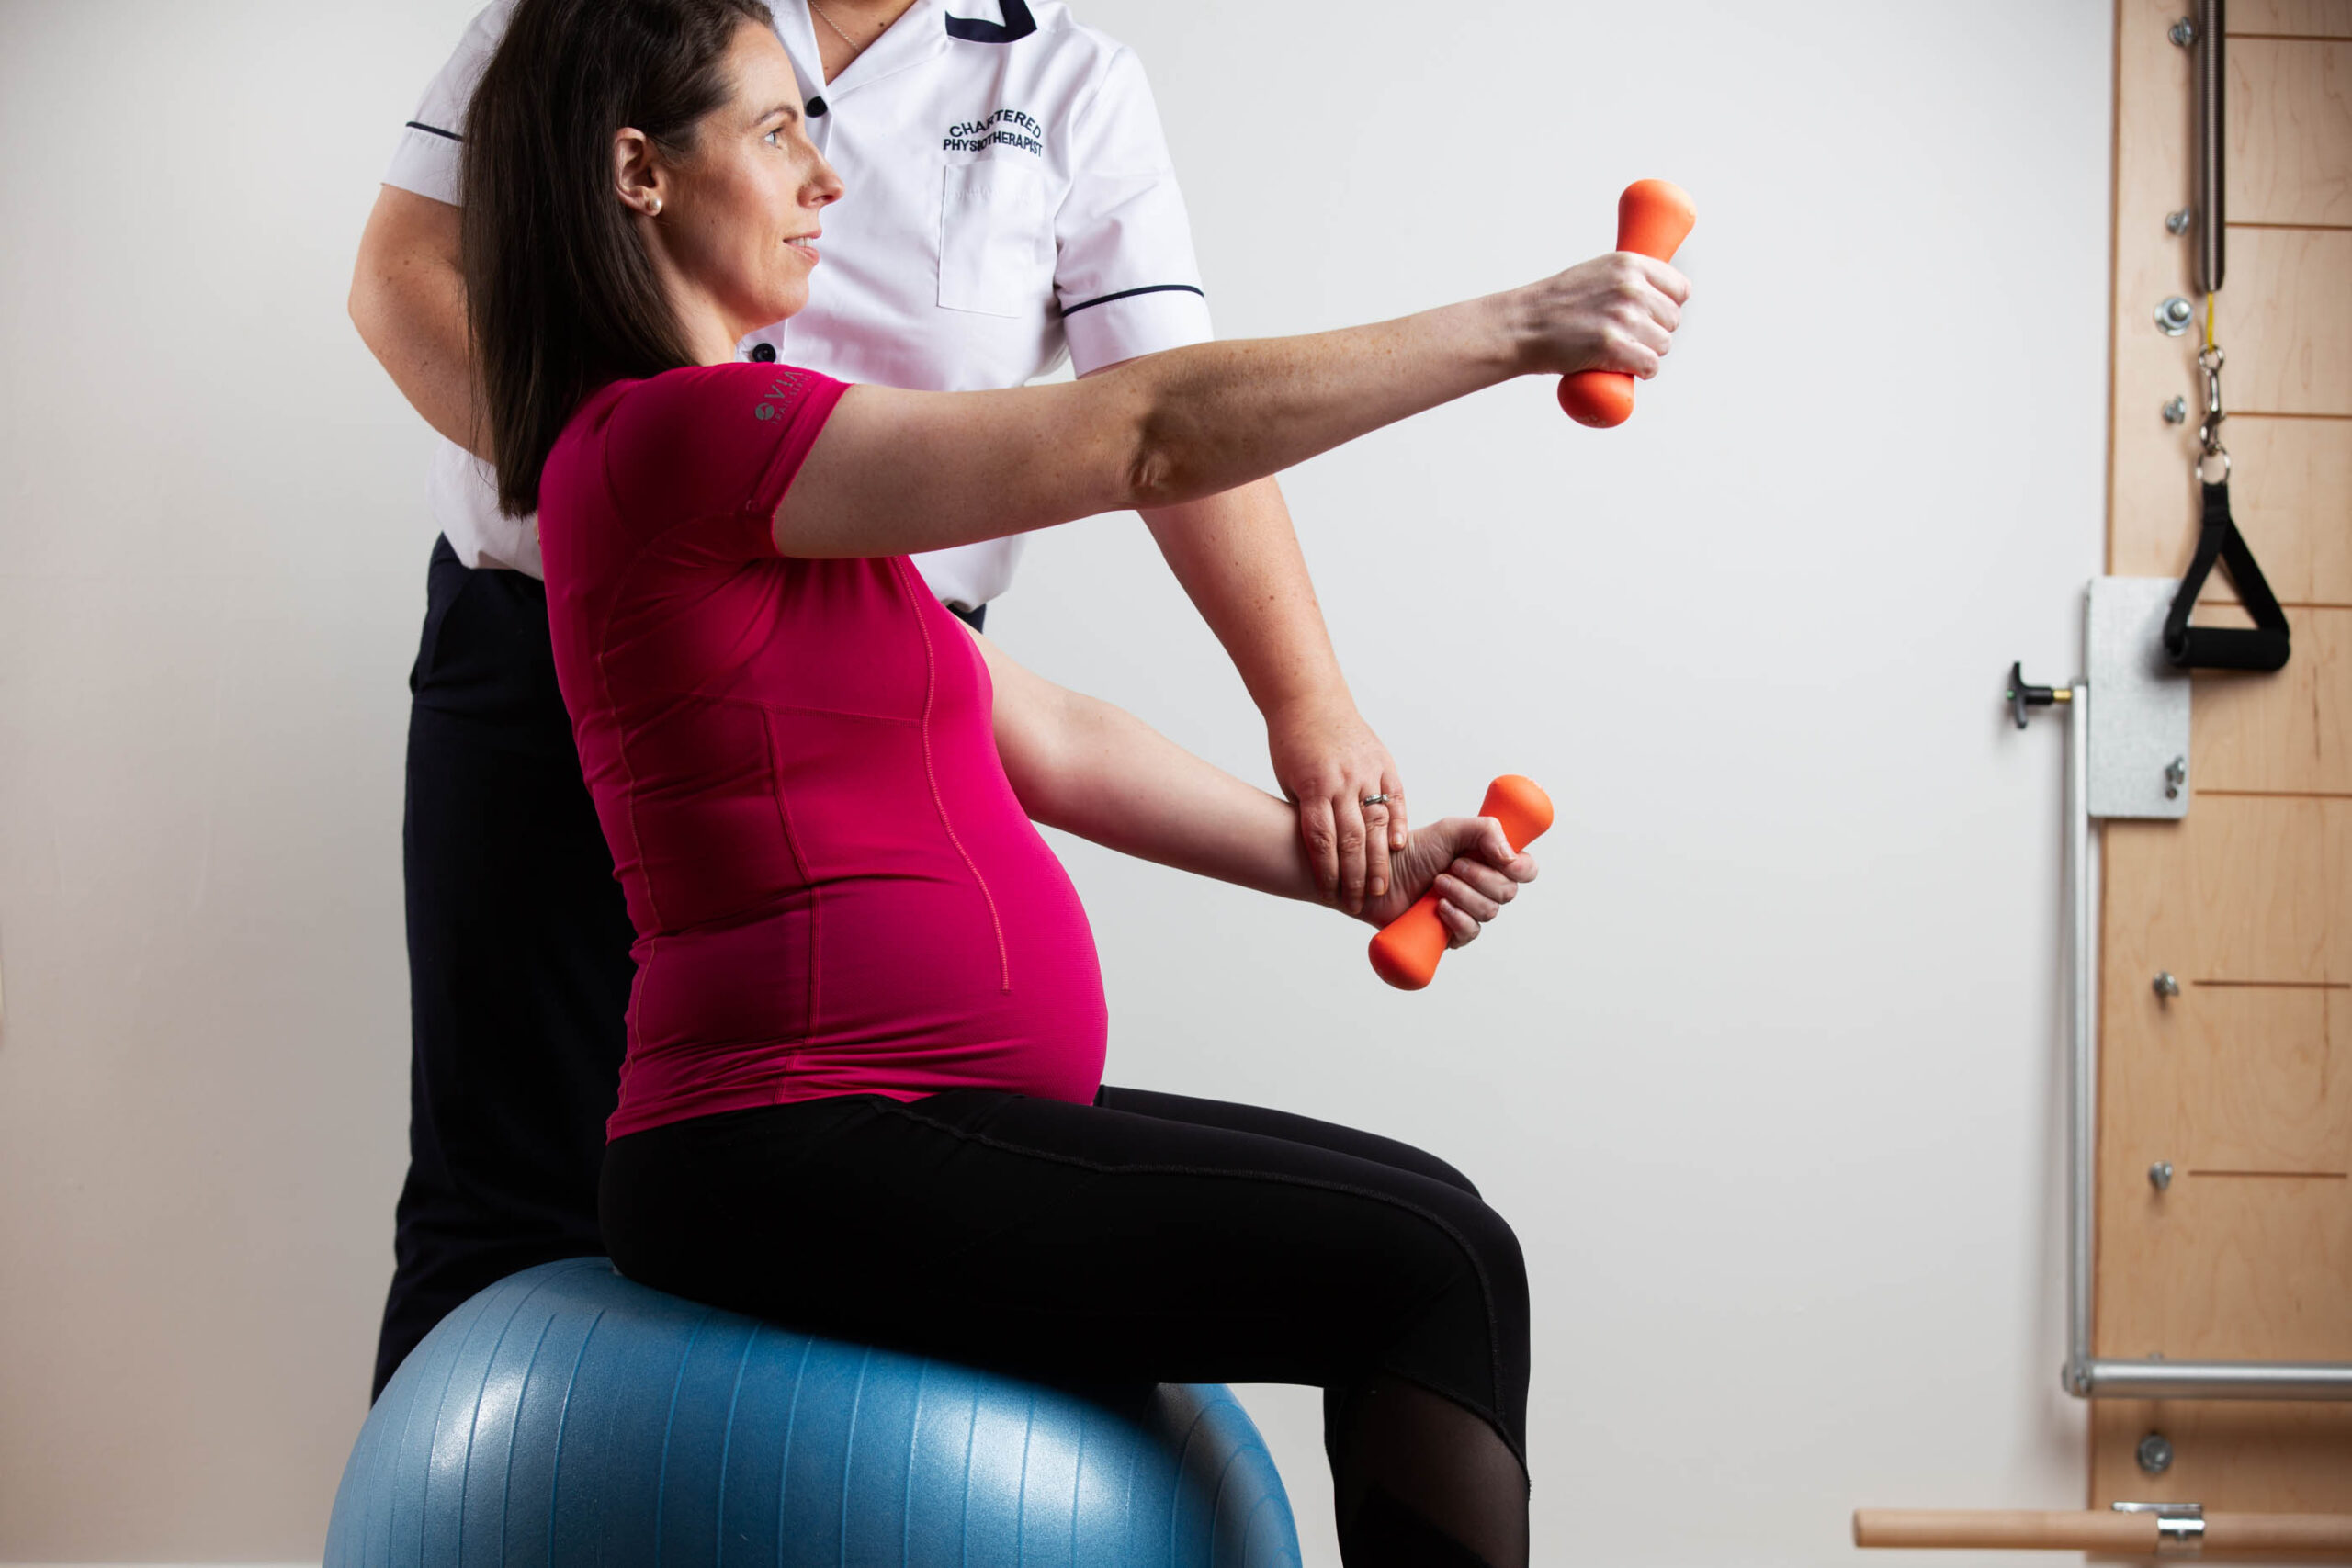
[1468, 869]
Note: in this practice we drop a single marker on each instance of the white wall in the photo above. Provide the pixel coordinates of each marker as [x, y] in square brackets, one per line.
[1765, 1070]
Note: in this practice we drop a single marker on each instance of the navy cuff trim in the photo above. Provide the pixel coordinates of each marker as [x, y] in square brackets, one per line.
[1131, 293]
[434, 129]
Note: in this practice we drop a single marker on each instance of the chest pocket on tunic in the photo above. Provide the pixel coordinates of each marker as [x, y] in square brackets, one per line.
[996, 253]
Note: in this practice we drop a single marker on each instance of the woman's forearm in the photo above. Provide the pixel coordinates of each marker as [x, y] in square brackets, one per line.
[1129, 788]
[1087, 768]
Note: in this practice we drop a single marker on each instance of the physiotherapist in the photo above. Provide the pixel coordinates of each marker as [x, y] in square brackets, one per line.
[1013, 201]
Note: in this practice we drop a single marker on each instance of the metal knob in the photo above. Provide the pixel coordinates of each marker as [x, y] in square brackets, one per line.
[2177, 222]
[2160, 1175]
[2174, 314]
[2183, 32]
[2167, 986]
[2154, 1453]
[2177, 411]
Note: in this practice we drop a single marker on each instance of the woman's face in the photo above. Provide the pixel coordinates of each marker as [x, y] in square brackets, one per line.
[738, 215]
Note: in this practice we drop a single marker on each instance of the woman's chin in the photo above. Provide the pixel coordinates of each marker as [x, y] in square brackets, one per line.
[788, 300]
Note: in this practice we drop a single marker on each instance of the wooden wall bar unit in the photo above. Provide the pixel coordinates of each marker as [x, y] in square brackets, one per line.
[2289, 163]
[2243, 1082]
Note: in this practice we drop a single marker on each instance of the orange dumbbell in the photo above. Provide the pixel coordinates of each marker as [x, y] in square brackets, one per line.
[1405, 951]
[1654, 217]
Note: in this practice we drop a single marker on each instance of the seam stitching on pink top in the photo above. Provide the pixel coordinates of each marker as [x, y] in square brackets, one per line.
[900, 566]
[808, 880]
[765, 707]
[599, 627]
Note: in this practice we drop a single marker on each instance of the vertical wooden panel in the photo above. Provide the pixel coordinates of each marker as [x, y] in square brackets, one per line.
[2260, 1457]
[2284, 321]
[2287, 732]
[2232, 1078]
[2239, 891]
[2152, 506]
[2289, 132]
[2309, 19]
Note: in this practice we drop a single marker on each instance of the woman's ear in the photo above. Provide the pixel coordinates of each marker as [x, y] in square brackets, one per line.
[636, 177]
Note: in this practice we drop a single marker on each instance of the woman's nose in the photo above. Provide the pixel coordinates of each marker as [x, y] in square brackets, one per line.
[825, 186]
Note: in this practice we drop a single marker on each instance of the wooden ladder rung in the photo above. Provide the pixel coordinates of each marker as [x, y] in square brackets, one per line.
[2029, 1530]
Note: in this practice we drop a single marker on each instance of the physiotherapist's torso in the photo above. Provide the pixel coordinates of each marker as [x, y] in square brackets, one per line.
[1008, 201]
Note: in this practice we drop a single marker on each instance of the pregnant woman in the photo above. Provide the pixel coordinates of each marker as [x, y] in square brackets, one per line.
[863, 1085]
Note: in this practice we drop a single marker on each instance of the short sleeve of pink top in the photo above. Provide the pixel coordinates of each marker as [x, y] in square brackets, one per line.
[834, 890]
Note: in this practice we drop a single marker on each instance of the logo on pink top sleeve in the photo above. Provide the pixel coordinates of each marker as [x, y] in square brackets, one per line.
[785, 389]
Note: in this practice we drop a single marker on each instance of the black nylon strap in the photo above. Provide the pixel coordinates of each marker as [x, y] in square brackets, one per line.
[2262, 646]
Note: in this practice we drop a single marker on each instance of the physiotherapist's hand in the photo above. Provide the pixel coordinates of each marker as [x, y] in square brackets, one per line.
[1327, 761]
[1613, 312]
[1468, 864]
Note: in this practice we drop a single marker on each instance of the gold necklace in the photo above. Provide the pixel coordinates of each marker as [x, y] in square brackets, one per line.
[826, 16]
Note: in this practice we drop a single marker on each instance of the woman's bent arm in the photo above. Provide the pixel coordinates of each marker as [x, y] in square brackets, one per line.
[1082, 765]
[897, 472]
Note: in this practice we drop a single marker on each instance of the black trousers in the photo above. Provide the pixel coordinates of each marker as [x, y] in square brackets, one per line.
[519, 970]
[1148, 1236]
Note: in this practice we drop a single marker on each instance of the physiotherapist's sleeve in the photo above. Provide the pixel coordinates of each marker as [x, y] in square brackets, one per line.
[426, 159]
[1123, 270]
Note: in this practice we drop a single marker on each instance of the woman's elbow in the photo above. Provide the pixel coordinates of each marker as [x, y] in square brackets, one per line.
[1155, 474]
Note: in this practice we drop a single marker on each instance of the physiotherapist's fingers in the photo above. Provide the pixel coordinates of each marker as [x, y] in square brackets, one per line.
[1376, 868]
[1346, 816]
[1320, 834]
[1400, 823]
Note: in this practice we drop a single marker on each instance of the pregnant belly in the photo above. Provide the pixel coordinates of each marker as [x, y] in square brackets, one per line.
[902, 987]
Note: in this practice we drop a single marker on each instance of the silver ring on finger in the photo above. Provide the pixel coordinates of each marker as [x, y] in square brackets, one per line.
[1374, 800]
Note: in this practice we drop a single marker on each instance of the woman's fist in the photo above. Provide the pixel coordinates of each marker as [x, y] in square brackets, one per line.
[1467, 863]
[1613, 312]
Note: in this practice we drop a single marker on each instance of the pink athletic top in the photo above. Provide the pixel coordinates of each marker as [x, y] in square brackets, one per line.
[834, 890]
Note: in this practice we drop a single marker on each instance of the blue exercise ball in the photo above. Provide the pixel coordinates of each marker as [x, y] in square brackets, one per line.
[568, 1415]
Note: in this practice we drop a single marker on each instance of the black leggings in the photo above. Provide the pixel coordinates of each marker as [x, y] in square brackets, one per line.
[1147, 1236]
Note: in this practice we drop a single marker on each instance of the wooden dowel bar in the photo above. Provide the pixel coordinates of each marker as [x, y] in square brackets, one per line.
[2028, 1530]
[2023, 1529]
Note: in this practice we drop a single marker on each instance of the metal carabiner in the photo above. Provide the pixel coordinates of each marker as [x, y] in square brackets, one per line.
[2209, 434]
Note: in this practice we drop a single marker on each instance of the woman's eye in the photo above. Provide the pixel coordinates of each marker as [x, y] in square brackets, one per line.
[770, 138]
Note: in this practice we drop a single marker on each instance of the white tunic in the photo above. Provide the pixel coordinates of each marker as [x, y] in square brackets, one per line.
[1008, 196]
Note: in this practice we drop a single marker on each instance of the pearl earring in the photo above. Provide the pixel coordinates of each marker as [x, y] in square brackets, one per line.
[653, 207]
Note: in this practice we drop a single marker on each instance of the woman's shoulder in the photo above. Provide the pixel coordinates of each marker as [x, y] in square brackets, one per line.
[696, 404]
[700, 440]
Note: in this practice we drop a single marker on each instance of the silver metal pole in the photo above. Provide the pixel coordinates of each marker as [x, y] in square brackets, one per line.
[2213, 127]
[2220, 1380]
[2082, 1077]
[2083, 1376]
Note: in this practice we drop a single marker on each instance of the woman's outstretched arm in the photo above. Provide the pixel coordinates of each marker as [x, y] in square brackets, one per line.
[897, 472]
[1082, 765]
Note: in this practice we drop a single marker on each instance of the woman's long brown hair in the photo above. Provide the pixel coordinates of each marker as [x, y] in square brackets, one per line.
[560, 296]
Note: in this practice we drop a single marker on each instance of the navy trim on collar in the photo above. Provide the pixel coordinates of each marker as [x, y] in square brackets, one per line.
[1017, 24]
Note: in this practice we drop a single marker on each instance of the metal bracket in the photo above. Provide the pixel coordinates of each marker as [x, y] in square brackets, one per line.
[2139, 727]
[2180, 1527]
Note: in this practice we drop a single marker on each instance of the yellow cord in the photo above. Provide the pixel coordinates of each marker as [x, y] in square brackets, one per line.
[2208, 320]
